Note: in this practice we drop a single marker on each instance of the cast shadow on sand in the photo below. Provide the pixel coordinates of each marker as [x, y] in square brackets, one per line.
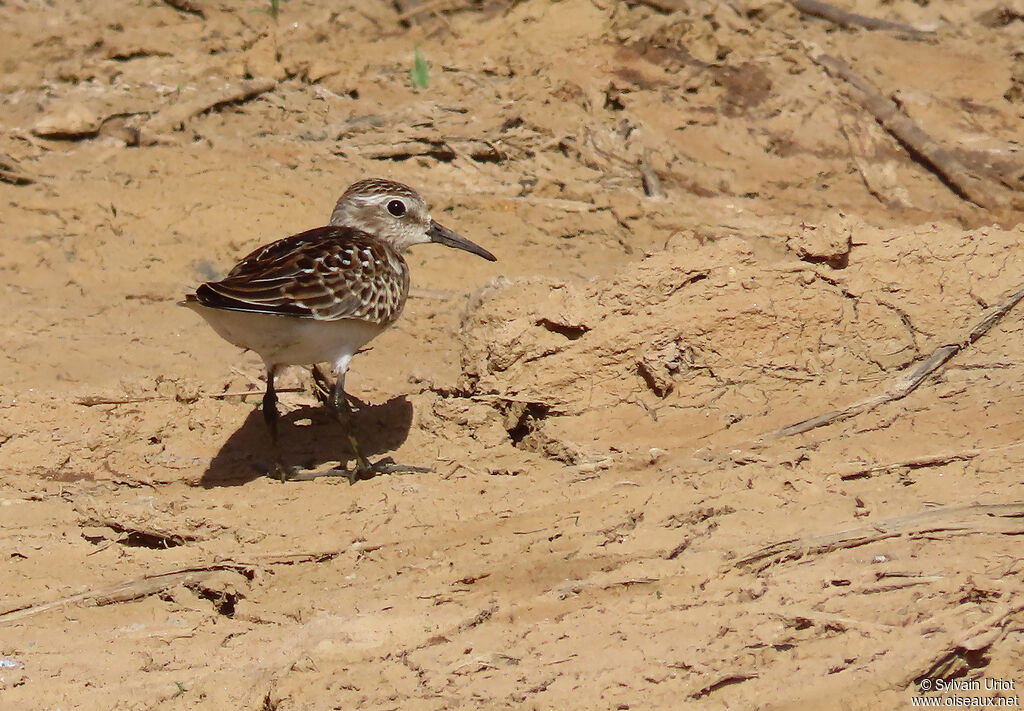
[311, 438]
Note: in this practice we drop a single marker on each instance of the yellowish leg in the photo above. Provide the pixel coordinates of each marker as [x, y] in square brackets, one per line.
[335, 397]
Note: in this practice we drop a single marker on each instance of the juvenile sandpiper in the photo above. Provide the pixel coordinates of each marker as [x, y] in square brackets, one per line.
[321, 295]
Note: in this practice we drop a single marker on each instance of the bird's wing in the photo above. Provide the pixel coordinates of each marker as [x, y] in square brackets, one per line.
[327, 273]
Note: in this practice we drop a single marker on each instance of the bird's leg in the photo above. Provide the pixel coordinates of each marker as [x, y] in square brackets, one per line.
[270, 416]
[344, 411]
[323, 388]
[333, 395]
[341, 403]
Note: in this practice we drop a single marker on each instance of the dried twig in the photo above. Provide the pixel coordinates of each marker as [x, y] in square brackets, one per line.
[551, 203]
[247, 393]
[440, 148]
[11, 172]
[844, 18]
[931, 460]
[942, 662]
[186, 6]
[976, 518]
[727, 679]
[122, 592]
[909, 382]
[949, 168]
[664, 5]
[476, 620]
[174, 117]
[798, 617]
[147, 585]
[417, 11]
[148, 535]
[94, 400]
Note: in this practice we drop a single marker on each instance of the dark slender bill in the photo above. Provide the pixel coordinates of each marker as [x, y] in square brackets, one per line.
[442, 235]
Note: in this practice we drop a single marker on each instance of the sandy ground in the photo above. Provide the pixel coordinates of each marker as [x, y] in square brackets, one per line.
[618, 516]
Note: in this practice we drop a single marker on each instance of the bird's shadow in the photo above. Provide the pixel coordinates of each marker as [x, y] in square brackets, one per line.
[310, 438]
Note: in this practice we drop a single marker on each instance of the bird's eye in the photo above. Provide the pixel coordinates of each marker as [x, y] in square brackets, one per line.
[396, 208]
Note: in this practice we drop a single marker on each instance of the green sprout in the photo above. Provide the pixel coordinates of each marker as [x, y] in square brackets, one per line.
[420, 73]
[275, 8]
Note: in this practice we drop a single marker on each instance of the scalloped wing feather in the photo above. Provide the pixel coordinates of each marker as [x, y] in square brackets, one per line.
[328, 273]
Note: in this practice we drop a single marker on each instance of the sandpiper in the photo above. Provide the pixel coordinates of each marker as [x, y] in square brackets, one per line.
[321, 295]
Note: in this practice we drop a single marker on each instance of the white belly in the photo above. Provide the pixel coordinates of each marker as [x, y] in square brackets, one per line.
[286, 340]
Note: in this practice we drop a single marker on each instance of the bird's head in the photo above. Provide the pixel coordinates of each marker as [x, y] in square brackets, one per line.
[397, 215]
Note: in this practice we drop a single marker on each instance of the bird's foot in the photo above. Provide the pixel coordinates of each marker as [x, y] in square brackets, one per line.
[361, 471]
[365, 470]
[283, 473]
